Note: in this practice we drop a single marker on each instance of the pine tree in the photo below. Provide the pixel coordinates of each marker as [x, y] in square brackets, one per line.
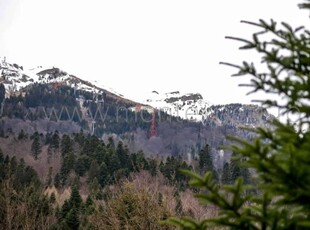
[1, 156]
[226, 175]
[66, 166]
[52, 198]
[22, 135]
[122, 154]
[206, 162]
[82, 164]
[153, 167]
[36, 145]
[111, 144]
[55, 141]
[57, 180]
[103, 177]
[94, 187]
[89, 204]
[75, 198]
[2, 93]
[49, 178]
[66, 145]
[114, 164]
[279, 155]
[94, 170]
[235, 169]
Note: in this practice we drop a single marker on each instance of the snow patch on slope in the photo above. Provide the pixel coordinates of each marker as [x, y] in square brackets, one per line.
[190, 106]
[15, 78]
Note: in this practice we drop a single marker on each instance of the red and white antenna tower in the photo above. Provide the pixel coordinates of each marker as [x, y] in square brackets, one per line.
[153, 129]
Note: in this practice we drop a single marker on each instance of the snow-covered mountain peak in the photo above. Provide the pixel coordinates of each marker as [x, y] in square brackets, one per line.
[191, 106]
[15, 78]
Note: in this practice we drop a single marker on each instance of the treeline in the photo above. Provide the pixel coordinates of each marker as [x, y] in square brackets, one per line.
[104, 169]
[22, 202]
[106, 163]
[121, 189]
[55, 101]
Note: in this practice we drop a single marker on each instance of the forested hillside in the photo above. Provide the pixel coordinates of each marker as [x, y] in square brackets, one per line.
[76, 156]
[80, 181]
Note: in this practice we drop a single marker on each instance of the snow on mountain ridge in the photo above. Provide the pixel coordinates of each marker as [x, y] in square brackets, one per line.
[14, 78]
[190, 106]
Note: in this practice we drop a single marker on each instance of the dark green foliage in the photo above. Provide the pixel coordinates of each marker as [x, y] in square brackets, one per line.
[57, 180]
[94, 187]
[21, 198]
[172, 170]
[101, 167]
[100, 153]
[75, 198]
[55, 141]
[205, 159]
[104, 175]
[123, 154]
[94, 170]
[52, 198]
[66, 166]
[1, 156]
[90, 144]
[233, 170]
[65, 209]
[114, 163]
[226, 175]
[110, 164]
[2, 93]
[49, 179]
[237, 170]
[36, 145]
[89, 205]
[40, 94]
[70, 211]
[153, 168]
[2, 168]
[137, 162]
[66, 145]
[206, 162]
[22, 135]
[160, 199]
[111, 144]
[82, 165]
[72, 219]
[278, 154]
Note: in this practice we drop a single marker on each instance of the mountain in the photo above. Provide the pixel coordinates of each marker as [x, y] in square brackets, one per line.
[74, 153]
[193, 107]
[15, 78]
[189, 106]
[50, 99]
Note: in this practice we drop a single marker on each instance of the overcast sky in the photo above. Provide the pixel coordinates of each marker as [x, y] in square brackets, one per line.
[139, 46]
